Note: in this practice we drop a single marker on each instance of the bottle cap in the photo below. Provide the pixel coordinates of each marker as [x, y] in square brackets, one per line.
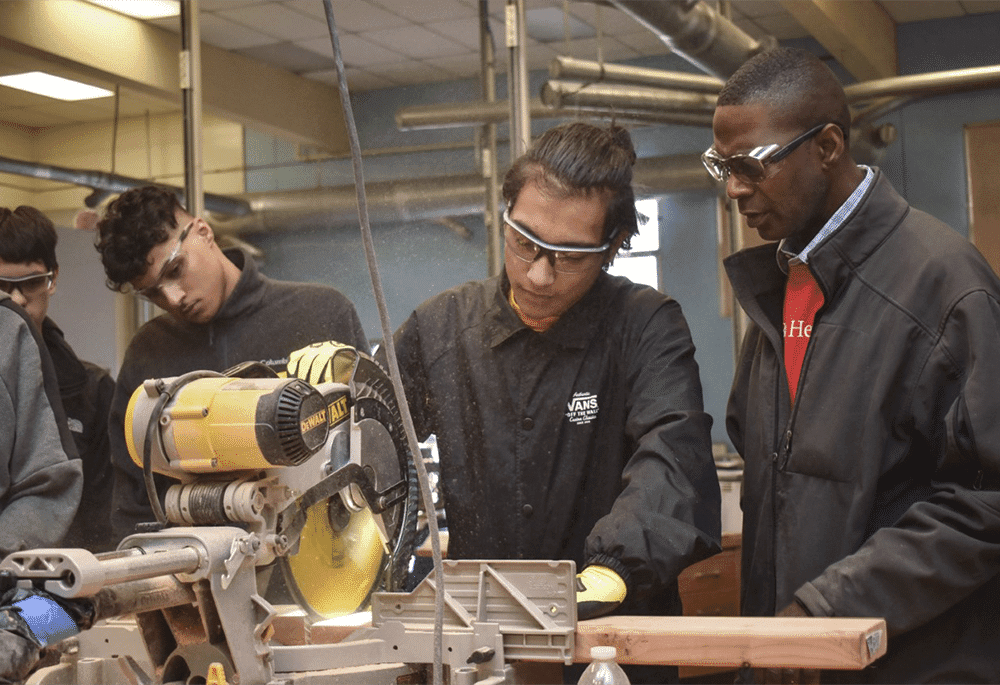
[603, 652]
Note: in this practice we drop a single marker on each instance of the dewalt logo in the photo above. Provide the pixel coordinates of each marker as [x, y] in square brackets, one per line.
[338, 410]
[310, 422]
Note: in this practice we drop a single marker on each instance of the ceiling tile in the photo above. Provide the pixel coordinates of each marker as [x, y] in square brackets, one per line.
[920, 10]
[290, 57]
[415, 41]
[360, 15]
[214, 5]
[275, 19]
[227, 35]
[551, 24]
[355, 50]
[978, 6]
[410, 72]
[644, 42]
[312, 8]
[608, 49]
[461, 66]
[466, 32]
[358, 80]
[426, 11]
[608, 19]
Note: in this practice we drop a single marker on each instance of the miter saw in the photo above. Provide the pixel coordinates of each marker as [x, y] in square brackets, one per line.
[274, 476]
[315, 483]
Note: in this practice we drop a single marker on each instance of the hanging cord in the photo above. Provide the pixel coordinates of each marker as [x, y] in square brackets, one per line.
[390, 348]
[114, 127]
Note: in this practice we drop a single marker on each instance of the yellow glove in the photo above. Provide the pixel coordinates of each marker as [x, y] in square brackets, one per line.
[599, 591]
[323, 362]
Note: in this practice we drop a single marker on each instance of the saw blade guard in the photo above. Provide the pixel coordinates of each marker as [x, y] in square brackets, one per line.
[359, 540]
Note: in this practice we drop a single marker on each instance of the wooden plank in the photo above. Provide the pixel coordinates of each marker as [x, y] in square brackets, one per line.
[835, 643]
[718, 641]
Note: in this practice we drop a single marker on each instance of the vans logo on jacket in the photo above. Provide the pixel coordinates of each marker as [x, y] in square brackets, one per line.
[582, 408]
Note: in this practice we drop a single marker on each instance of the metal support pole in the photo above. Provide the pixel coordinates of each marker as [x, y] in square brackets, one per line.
[190, 74]
[488, 135]
[517, 83]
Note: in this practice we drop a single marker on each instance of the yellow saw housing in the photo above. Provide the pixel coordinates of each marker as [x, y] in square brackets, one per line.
[220, 423]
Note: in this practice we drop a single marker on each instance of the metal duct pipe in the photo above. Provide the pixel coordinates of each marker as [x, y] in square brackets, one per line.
[425, 199]
[404, 200]
[104, 184]
[696, 32]
[925, 84]
[517, 79]
[418, 117]
[587, 70]
[558, 93]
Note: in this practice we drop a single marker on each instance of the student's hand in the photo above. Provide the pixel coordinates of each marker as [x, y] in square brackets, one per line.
[599, 591]
[322, 362]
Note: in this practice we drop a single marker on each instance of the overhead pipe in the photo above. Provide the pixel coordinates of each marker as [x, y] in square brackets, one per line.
[424, 198]
[419, 117]
[104, 184]
[692, 29]
[931, 83]
[559, 93]
[587, 70]
[697, 32]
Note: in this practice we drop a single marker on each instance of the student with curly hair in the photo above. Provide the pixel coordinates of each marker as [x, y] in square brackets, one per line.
[220, 311]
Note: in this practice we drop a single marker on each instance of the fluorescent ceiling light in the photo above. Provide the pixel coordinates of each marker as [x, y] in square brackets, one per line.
[40, 83]
[143, 9]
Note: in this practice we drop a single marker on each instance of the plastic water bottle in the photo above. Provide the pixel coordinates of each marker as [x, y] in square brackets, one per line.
[603, 669]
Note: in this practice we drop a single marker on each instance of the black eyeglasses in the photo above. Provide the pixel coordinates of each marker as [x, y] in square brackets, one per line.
[751, 167]
[32, 284]
[167, 272]
[569, 259]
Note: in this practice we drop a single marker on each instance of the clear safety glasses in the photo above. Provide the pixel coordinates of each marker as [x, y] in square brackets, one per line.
[32, 284]
[170, 271]
[568, 259]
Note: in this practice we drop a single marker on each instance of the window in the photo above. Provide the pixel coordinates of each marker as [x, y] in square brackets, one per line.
[640, 264]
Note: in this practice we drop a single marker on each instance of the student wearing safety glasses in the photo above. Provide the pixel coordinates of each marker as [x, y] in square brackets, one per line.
[566, 402]
[219, 311]
[28, 274]
[865, 400]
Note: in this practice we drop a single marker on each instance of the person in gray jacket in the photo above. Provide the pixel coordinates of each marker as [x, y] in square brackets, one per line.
[40, 477]
[29, 271]
[865, 397]
[566, 402]
[220, 311]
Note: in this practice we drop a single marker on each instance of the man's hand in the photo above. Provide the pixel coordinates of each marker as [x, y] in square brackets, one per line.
[599, 591]
[322, 362]
[790, 676]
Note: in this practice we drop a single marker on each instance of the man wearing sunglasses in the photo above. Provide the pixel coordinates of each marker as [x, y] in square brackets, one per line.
[219, 311]
[28, 274]
[865, 397]
[566, 402]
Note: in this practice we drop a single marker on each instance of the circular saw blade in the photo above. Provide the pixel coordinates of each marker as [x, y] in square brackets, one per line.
[339, 561]
[344, 554]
